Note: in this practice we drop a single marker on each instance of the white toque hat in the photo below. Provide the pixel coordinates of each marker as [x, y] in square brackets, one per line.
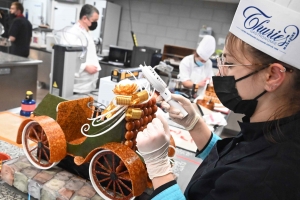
[206, 47]
[272, 26]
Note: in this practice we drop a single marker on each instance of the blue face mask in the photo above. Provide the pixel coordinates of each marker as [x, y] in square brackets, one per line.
[199, 63]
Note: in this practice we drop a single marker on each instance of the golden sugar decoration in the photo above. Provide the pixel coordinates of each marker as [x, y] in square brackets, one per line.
[133, 113]
[110, 107]
[123, 100]
[132, 99]
[126, 95]
[140, 97]
[125, 89]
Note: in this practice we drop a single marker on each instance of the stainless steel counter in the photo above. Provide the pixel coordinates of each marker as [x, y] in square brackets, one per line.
[17, 75]
[12, 60]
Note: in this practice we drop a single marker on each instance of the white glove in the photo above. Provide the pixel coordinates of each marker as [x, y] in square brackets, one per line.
[153, 144]
[190, 120]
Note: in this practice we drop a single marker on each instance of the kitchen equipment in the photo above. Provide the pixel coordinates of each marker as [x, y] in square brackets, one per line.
[66, 60]
[119, 55]
[39, 37]
[4, 41]
[143, 55]
[50, 42]
[120, 74]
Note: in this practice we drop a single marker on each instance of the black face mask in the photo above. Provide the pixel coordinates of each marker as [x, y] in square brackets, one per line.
[228, 95]
[93, 26]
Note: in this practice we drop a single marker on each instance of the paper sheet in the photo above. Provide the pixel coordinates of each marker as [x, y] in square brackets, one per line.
[183, 139]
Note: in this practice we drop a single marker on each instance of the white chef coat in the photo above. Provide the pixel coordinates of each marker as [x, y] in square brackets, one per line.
[188, 70]
[78, 35]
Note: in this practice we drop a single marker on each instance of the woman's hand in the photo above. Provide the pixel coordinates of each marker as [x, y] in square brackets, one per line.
[153, 144]
[190, 120]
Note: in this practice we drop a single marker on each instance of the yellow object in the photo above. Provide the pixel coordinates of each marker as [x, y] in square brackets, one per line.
[135, 40]
[133, 113]
[134, 99]
[140, 97]
[118, 75]
[55, 84]
[125, 89]
[123, 100]
[29, 93]
[110, 107]
[135, 43]
[126, 95]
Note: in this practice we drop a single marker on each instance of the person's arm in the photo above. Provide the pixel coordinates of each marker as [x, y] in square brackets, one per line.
[200, 134]
[166, 188]
[14, 30]
[161, 180]
[187, 84]
[185, 72]
[203, 153]
[12, 38]
[30, 33]
[192, 122]
[91, 69]
[204, 143]
[92, 63]
[153, 145]
[168, 191]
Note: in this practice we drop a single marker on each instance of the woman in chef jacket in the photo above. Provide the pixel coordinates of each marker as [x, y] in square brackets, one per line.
[197, 68]
[259, 76]
[79, 34]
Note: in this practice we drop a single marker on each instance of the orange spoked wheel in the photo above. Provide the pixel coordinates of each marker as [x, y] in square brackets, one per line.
[36, 146]
[117, 172]
[110, 176]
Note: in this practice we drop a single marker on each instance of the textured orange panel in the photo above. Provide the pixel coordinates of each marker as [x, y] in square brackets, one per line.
[71, 115]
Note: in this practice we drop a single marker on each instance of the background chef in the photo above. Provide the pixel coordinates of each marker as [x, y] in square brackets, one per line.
[197, 68]
[79, 34]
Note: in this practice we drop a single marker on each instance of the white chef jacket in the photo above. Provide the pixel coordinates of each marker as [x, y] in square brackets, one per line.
[188, 70]
[78, 35]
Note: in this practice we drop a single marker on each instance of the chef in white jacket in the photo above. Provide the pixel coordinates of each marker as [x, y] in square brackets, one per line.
[197, 68]
[79, 34]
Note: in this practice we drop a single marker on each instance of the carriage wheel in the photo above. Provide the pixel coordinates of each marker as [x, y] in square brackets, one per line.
[36, 146]
[109, 177]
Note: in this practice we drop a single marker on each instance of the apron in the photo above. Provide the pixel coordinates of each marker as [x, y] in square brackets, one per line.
[198, 75]
[85, 82]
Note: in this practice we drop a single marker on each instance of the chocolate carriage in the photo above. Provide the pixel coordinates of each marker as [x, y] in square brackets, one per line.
[107, 142]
